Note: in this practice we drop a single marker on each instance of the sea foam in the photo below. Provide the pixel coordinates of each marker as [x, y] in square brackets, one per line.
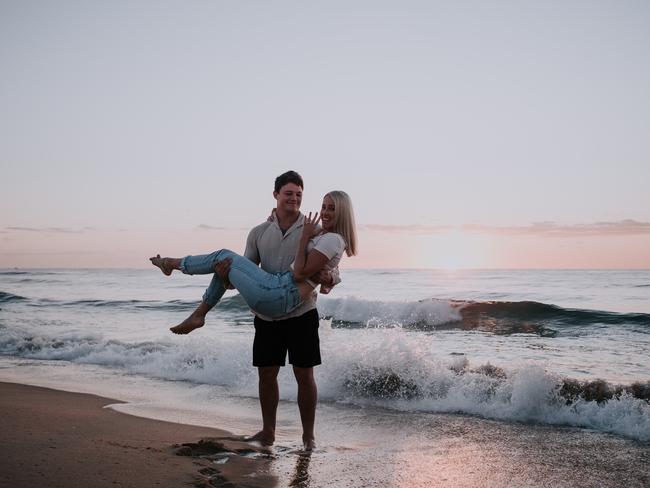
[392, 368]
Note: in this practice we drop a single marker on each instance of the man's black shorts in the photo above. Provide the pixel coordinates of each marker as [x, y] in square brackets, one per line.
[297, 335]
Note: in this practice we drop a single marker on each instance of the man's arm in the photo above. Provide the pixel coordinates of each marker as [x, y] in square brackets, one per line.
[308, 264]
[222, 268]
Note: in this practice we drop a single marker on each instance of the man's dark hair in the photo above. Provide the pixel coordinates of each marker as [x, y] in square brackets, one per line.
[288, 177]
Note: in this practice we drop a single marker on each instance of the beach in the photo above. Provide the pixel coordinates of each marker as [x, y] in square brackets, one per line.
[62, 439]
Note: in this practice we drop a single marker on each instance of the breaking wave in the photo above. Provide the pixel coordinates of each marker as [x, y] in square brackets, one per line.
[499, 317]
[393, 369]
[9, 297]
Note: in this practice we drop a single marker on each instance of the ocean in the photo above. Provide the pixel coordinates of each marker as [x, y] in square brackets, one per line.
[542, 353]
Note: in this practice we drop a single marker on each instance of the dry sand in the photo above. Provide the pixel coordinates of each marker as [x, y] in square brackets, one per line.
[56, 439]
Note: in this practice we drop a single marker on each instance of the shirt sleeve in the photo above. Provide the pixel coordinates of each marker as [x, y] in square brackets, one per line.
[252, 252]
[330, 245]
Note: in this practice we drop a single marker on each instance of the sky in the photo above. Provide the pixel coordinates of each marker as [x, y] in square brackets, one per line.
[469, 134]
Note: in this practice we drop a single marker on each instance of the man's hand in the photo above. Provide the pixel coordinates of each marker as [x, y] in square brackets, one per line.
[222, 268]
[325, 278]
[328, 279]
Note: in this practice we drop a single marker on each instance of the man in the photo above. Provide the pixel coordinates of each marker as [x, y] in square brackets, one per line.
[273, 245]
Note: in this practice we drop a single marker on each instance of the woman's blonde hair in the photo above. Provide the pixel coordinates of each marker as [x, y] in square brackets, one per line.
[345, 224]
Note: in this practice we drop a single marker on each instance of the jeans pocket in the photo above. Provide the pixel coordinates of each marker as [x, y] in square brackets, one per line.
[293, 298]
[272, 305]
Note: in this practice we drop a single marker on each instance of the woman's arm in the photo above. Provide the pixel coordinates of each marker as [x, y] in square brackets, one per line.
[306, 265]
[313, 263]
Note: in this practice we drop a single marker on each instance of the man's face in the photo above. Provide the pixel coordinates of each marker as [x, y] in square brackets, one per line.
[289, 198]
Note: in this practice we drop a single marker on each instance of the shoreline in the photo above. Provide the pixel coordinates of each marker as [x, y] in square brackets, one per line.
[51, 437]
[358, 447]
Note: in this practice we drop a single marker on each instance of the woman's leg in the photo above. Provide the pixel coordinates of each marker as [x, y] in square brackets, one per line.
[166, 265]
[201, 264]
[270, 294]
[194, 321]
[275, 294]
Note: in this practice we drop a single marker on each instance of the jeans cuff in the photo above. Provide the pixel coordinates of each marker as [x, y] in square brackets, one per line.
[182, 266]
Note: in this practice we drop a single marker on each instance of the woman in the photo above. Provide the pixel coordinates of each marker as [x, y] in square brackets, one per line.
[274, 295]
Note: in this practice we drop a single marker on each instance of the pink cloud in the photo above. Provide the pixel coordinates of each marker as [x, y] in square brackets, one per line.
[539, 229]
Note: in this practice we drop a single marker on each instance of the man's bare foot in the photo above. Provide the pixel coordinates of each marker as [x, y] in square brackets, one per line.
[162, 263]
[264, 438]
[309, 443]
[188, 325]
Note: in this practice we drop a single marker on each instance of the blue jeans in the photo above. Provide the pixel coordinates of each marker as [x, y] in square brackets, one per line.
[272, 295]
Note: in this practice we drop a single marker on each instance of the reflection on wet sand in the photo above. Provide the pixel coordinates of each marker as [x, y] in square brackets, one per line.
[388, 449]
[301, 477]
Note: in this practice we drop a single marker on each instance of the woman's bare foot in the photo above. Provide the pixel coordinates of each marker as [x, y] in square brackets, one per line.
[264, 438]
[162, 263]
[188, 325]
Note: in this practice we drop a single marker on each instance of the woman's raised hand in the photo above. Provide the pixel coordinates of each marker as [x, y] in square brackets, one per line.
[310, 227]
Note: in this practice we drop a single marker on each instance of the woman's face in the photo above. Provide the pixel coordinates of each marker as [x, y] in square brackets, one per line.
[328, 213]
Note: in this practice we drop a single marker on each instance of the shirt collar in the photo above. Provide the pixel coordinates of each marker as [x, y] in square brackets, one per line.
[300, 221]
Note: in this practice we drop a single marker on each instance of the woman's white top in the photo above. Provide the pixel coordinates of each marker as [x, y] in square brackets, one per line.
[329, 244]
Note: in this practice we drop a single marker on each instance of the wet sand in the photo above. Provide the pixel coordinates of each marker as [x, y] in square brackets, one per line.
[372, 447]
[60, 439]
